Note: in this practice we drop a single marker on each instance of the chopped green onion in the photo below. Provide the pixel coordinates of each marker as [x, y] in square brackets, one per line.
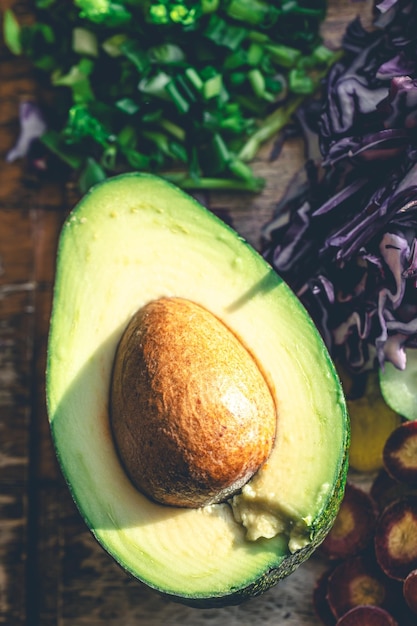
[252, 12]
[127, 105]
[300, 83]
[272, 124]
[84, 42]
[255, 54]
[180, 100]
[135, 53]
[283, 55]
[225, 34]
[55, 143]
[104, 12]
[212, 87]
[11, 32]
[91, 174]
[155, 84]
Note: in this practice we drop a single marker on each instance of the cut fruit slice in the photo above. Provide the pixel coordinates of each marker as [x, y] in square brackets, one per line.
[354, 526]
[400, 453]
[367, 616]
[385, 490]
[396, 538]
[410, 590]
[358, 581]
[399, 387]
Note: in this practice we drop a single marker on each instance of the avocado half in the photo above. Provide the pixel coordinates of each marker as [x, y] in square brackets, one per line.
[135, 238]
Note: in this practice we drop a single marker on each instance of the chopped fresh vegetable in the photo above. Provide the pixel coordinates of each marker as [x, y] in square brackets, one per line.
[357, 581]
[353, 529]
[367, 616]
[187, 89]
[410, 590]
[385, 489]
[346, 240]
[396, 538]
[400, 453]
[384, 573]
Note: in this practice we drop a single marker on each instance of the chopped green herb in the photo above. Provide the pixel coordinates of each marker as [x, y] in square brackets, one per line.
[188, 86]
[12, 32]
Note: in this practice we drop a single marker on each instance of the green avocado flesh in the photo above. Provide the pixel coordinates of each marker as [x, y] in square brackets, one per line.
[133, 239]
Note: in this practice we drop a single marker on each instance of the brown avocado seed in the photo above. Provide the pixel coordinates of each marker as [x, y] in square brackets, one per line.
[192, 415]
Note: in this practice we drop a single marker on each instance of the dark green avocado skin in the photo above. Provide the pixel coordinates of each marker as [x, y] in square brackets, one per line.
[275, 575]
[82, 236]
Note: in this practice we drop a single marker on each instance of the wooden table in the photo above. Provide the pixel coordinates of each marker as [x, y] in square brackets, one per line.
[52, 572]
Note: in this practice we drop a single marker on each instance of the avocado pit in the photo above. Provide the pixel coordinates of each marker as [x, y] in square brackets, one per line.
[192, 414]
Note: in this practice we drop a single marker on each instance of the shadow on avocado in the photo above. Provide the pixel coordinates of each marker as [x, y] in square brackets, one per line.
[266, 284]
[89, 459]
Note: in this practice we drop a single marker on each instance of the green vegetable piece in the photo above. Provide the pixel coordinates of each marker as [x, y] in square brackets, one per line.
[127, 105]
[104, 12]
[194, 183]
[212, 87]
[136, 54]
[271, 125]
[156, 85]
[158, 14]
[180, 99]
[84, 42]
[292, 7]
[78, 79]
[399, 387]
[241, 170]
[173, 129]
[55, 142]
[194, 78]
[44, 4]
[301, 83]
[225, 34]
[257, 82]
[92, 174]
[283, 55]
[132, 240]
[323, 55]
[209, 6]
[136, 159]
[255, 54]
[82, 123]
[166, 59]
[113, 45]
[12, 32]
[166, 53]
[254, 12]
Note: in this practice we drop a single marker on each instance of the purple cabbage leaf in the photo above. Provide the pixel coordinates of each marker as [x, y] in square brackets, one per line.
[346, 241]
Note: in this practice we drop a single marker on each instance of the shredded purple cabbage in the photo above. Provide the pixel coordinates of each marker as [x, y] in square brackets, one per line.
[346, 239]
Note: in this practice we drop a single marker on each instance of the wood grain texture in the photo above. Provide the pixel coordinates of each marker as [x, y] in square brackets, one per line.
[52, 572]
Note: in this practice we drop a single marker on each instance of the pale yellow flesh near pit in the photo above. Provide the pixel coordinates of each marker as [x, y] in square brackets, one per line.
[120, 249]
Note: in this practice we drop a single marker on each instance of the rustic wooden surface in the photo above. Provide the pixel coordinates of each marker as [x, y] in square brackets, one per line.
[52, 572]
